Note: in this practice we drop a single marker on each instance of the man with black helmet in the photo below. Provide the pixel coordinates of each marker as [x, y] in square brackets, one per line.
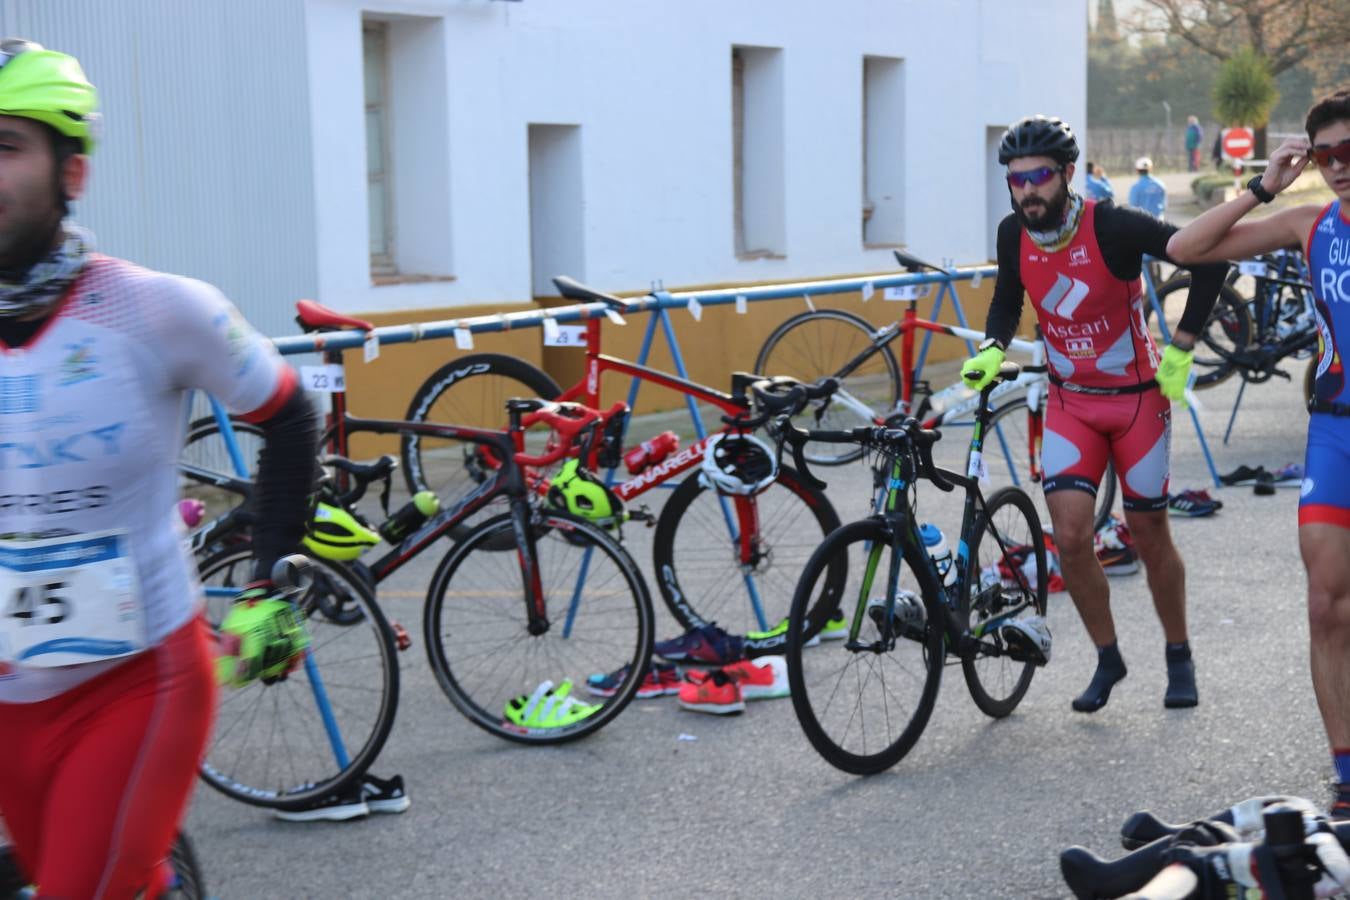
[1080, 262]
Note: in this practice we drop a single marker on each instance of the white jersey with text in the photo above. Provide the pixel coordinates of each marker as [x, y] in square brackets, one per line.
[91, 425]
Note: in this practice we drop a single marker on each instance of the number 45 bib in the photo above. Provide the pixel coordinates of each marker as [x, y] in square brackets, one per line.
[69, 600]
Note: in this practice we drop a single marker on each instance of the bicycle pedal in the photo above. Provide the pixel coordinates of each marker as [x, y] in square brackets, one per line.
[402, 640]
[644, 515]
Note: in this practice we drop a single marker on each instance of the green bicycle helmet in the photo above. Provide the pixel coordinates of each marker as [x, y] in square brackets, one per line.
[583, 495]
[50, 87]
[336, 534]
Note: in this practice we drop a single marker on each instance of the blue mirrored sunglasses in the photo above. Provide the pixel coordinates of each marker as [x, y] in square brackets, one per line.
[1037, 177]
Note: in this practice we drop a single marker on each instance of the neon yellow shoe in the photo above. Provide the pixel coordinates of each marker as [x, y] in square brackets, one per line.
[771, 642]
[836, 628]
[548, 707]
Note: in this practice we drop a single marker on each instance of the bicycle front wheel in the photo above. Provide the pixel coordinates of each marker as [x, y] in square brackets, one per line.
[470, 391]
[1227, 330]
[287, 742]
[814, 344]
[864, 702]
[537, 688]
[1009, 581]
[736, 560]
[188, 881]
[1008, 450]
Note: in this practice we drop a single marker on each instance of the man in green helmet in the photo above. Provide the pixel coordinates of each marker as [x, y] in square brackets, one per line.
[107, 669]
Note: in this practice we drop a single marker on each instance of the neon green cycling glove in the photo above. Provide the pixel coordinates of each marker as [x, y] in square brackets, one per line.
[980, 369]
[1174, 372]
[262, 636]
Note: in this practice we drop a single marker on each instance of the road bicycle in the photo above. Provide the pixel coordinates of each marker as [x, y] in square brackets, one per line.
[843, 346]
[1274, 847]
[732, 558]
[864, 702]
[1251, 335]
[573, 604]
[184, 878]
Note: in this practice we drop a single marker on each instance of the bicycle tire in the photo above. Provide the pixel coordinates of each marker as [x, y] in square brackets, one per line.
[1227, 331]
[618, 635]
[204, 447]
[189, 882]
[1006, 457]
[359, 674]
[814, 344]
[471, 391]
[819, 677]
[698, 571]
[999, 580]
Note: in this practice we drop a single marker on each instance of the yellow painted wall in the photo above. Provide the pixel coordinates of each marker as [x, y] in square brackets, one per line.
[721, 343]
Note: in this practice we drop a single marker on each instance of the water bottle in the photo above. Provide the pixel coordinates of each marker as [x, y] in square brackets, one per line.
[422, 506]
[941, 554]
[651, 452]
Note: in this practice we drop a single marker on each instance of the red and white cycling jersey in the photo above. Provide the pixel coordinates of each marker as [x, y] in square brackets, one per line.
[1092, 321]
[91, 424]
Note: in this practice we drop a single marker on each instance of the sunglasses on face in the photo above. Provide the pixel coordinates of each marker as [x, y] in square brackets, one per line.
[1037, 177]
[1323, 155]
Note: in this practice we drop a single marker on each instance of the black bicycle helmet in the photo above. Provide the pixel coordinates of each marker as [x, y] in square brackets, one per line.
[1038, 136]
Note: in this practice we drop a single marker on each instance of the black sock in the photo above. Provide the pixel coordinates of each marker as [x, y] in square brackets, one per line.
[1181, 692]
[1110, 669]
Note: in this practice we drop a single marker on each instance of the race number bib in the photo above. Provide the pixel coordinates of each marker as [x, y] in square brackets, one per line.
[69, 600]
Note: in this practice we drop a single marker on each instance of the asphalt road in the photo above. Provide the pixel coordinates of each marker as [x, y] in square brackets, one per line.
[668, 802]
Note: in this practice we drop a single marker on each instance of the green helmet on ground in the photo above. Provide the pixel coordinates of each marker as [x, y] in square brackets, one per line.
[50, 87]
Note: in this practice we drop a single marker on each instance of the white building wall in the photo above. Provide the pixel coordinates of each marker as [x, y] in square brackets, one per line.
[204, 166]
[649, 84]
[235, 137]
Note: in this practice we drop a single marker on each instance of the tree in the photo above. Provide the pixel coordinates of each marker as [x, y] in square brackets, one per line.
[1281, 32]
[1245, 93]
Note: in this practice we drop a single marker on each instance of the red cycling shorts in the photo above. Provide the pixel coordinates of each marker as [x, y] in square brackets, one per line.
[1133, 431]
[94, 781]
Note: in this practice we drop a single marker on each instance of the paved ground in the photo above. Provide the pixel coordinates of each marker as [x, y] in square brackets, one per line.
[746, 808]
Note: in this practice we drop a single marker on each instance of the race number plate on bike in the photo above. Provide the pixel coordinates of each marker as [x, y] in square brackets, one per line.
[69, 600]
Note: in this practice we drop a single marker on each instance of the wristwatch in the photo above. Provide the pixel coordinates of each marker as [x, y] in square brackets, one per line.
[1261, 193]
[991, 342]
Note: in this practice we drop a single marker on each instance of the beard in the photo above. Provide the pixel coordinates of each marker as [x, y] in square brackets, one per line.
[1044, 215]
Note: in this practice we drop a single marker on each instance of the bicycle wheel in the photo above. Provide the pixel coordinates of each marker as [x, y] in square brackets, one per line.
[205, 447]
[811, 345]
[1009, 580]
[864, 702]
[285, 743]
[480, 646]
[1227, 330]
[1007, 459]
[703, 573]
[188, 882]
[470, 391]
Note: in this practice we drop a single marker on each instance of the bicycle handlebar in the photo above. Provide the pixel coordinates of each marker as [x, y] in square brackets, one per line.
[568, 420]
[1301, 854]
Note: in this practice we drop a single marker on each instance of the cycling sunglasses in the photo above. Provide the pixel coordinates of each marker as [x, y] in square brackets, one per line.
[1037, 177]
[1323, 155]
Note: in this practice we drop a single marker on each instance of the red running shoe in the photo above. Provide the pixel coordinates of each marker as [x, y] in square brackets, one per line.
[760, 679]
[1115, 548]
[716, 693]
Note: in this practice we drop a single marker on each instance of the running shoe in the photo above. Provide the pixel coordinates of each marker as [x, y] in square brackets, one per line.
[1023, 557]
[662, 679]
[708, 645]
[384, 795]
[773, 641]
[715, 693]
[1291, 474]
[1242, 475]
[1115, 548]
[1265, 484]
[547, 707]
[762, 679]
[1187, 505]
[836, 627]
[1203, 496]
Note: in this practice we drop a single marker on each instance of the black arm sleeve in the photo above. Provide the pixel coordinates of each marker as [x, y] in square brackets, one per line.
[1005, 310]
[1125, 234]
[286, 471]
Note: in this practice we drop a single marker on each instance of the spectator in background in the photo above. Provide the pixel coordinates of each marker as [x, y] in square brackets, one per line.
[1217, 154]
[1195, 135]
[1148, 193]
[1098, 185]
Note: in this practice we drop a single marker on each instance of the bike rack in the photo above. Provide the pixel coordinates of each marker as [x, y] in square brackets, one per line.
[1167, 337]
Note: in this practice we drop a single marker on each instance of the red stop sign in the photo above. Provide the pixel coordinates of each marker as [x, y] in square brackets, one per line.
[1238, 142]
